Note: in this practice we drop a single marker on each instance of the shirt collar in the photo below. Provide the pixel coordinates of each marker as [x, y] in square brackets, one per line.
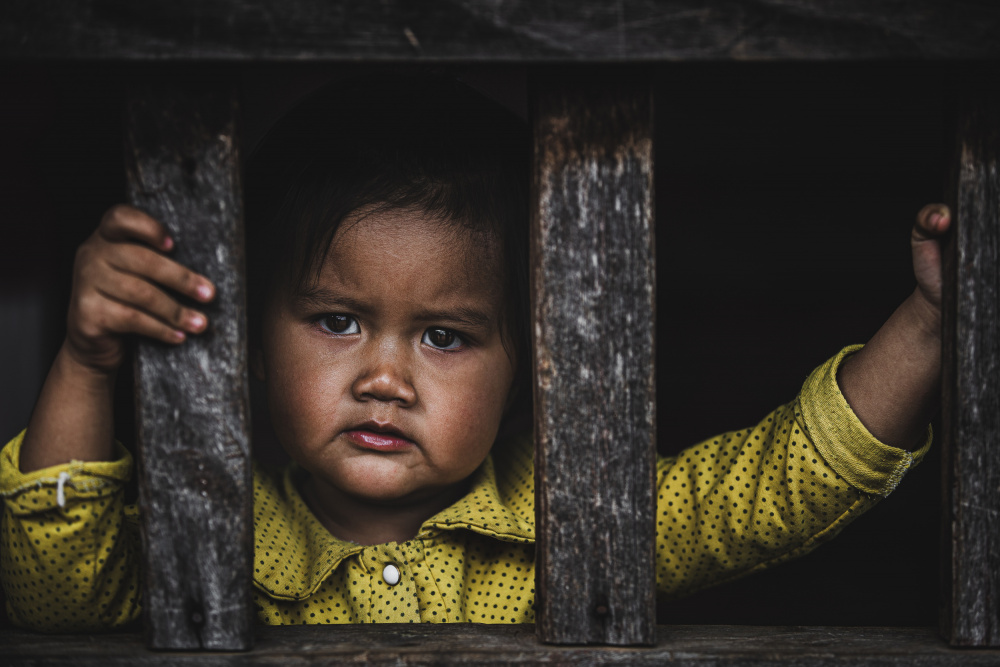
[491, 508]
[294, 553]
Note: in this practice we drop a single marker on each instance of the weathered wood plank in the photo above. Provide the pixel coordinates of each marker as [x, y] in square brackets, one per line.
[556, 30]
[971, 418]
[183, 168]
[593, 277]
[470, 644]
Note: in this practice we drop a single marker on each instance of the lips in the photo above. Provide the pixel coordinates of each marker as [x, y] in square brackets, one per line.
[379, 437]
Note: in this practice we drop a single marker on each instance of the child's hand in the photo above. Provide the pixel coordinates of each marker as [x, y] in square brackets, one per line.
[118, 288]
[118, 282]
[933, 221]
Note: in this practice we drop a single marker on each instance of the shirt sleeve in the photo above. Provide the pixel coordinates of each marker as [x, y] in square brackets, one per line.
[749, 499]
[69, 550]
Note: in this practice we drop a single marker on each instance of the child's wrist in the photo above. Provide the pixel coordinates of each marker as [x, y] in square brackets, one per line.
[926, 314]
[81, 374]
[72, 419]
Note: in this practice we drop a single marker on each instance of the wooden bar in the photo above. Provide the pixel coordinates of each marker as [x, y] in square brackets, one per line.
[971, 402]
[193, 407]
[474, 30]
[593, 281]
[498, 645]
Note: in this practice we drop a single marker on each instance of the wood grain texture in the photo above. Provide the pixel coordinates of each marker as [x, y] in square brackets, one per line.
[971, 418]
[470, 644]
[593, 281]
[192, 412]
[499, 30]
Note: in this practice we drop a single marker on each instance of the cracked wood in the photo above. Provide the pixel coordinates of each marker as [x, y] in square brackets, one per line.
[500, 31]
[593, 281]
[194, 445]
[971, 396]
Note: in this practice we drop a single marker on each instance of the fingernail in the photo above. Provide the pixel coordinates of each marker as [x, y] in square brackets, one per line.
[168, 243]
[196, 321]
[179, 336]
[204, 291]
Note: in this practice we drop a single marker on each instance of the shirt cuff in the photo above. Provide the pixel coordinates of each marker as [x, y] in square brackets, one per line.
[855, 454]
[41, 490]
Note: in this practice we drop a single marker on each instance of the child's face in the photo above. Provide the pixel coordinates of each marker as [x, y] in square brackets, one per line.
[387, 377]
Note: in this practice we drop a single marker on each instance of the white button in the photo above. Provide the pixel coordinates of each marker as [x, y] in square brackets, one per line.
[391, 574]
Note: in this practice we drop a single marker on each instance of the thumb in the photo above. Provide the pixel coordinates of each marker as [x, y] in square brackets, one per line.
[933, 221]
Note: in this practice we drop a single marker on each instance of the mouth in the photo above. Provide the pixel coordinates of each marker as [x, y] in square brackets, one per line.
[379, 437]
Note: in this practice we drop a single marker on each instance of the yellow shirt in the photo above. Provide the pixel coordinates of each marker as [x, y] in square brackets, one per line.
[728, 506]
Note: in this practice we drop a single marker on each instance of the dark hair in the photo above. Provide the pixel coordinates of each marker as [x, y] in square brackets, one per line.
[423, 143]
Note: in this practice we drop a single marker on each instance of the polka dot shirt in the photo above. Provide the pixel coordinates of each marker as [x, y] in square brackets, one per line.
[726, 507]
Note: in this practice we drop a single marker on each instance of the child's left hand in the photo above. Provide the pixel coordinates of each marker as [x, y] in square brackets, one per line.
[933, 221]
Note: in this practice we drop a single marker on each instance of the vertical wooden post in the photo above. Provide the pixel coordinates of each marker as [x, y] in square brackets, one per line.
[194, 448]
[971, 401]
[593, 282]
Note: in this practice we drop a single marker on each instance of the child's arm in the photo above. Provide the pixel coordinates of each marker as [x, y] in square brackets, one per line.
[893, 383]
[117, 290]
[69, 543]
[750, 499]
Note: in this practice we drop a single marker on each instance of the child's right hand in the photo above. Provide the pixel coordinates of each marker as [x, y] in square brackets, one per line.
[118, 288]
[120, 283]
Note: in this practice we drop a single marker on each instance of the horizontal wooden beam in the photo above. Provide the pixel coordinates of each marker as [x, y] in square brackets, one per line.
[469, 644]
[480, 30]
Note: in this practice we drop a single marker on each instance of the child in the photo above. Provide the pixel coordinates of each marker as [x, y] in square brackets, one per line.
[388, 320]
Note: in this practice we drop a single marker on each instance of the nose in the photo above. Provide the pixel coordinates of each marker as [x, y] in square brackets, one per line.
[385, 376]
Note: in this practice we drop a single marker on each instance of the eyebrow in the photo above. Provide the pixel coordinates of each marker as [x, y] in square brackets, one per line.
[471, 317]
[321, 298]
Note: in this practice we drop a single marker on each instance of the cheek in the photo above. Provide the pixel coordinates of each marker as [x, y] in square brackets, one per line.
[303, 394]
[473, 405]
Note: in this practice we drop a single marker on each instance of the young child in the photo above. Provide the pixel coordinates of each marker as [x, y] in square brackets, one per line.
[389, 329]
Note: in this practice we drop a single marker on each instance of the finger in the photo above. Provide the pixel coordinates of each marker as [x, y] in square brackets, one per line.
[122, 319]
[150, 265]
[125, 223]
[140, 294]
[933, 220]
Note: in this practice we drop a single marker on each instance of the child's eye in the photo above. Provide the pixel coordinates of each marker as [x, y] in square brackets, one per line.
[340, 324]
[442, 339]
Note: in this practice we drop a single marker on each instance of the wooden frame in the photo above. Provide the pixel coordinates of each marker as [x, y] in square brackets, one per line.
[491, 645]
[193, 401]
[629, 32]
[971, 408]
[475, 31]
[595, 428]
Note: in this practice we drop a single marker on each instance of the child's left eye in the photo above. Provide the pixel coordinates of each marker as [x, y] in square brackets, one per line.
[340, 324]
[442, 339]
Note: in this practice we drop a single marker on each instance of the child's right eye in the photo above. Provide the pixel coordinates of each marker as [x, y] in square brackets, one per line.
[339, 324]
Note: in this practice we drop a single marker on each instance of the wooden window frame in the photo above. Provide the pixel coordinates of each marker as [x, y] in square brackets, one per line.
[184, 144]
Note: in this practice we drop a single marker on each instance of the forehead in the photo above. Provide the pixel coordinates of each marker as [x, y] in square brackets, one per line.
[413, 253]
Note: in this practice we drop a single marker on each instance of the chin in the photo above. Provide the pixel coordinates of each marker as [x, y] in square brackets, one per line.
[383, 481]
[378, 484]
[403, 492]
[380, 495]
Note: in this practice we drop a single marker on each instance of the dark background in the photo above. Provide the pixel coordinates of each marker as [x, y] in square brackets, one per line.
[785, 195]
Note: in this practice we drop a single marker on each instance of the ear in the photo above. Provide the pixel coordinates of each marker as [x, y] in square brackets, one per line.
[257, 364]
